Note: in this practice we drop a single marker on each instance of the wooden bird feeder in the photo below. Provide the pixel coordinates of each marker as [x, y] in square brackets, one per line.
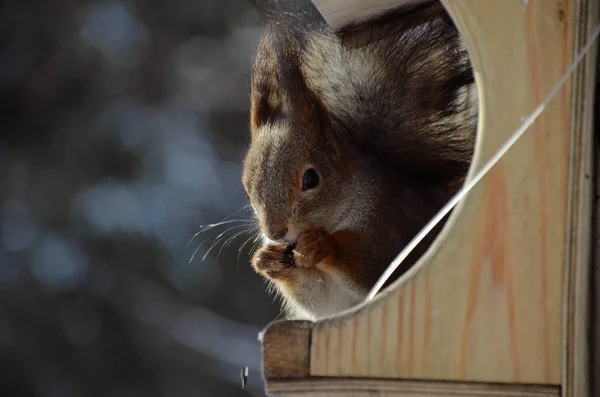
[500, 305]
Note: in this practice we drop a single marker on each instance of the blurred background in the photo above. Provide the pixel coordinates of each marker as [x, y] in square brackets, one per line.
[123, 124]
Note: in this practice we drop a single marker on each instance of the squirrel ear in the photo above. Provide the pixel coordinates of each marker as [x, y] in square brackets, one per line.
[278, 86]
[294, 14]
[299, 101]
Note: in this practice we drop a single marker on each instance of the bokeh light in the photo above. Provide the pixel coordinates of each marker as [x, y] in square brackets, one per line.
[123, 126]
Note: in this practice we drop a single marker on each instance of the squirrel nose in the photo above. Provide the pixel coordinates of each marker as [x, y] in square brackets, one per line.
[277, 232]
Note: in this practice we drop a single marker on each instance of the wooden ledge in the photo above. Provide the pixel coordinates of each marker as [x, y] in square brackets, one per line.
[352, 387]
[286, 350]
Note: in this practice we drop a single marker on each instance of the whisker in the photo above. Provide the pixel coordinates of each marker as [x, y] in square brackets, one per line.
[243, 245]
[226, 214]
[254, 247]
[240, 250]
[213, 225]
[197, 248]
[232, 239]
[229, 240]
[204, 241]
[230, 229]
[214, 244]
[245, 207]
[219, 238]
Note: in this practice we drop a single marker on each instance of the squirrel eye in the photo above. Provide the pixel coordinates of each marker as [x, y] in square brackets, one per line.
[310, 179]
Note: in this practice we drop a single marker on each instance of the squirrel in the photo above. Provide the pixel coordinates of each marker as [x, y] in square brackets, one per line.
[358, 137]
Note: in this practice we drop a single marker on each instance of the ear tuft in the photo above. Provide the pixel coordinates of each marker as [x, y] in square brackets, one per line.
[294, 14]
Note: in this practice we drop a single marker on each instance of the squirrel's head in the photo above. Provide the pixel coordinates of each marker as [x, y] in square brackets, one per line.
[295, 180]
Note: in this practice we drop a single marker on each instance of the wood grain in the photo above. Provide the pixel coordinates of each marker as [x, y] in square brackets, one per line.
[285, 350]
[577, 278]
[501, 296]
[595, 270]
[400, 388]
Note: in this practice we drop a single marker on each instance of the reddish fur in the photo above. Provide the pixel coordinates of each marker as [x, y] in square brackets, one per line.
[339, 253]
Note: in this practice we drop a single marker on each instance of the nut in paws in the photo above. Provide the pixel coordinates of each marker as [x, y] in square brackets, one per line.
[273, 260]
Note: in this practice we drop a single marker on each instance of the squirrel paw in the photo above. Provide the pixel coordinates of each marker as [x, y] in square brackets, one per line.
[313, 247]
[274, 261]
